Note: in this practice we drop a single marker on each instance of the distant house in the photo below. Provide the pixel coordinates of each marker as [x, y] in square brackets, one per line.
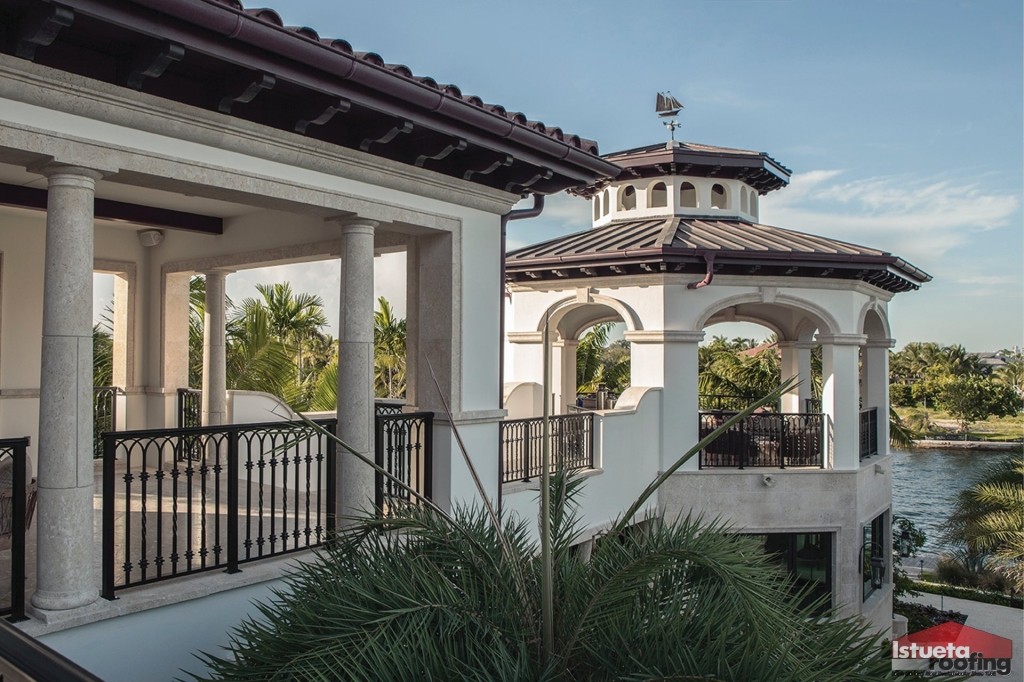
[158, 140]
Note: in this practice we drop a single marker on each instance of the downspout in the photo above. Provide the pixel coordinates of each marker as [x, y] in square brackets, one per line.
[709, 259]
[517, 214]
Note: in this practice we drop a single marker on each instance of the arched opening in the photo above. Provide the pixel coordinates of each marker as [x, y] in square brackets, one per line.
[753, 203]
[605, 202]
[627, 198]
[687, 195]
[658, 197]
[719, 198]
[743, 201]
[597, 206]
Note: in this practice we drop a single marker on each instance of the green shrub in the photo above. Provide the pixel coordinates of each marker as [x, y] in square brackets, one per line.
[1013, 601]
[921, 616]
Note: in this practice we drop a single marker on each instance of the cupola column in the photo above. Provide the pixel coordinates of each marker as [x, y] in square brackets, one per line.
[840, 396]
[875, 380]
[669, 359]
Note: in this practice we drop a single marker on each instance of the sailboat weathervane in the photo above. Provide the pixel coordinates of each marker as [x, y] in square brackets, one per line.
[668, 107]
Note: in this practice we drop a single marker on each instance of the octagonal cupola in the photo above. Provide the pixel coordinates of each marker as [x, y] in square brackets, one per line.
[686, 179]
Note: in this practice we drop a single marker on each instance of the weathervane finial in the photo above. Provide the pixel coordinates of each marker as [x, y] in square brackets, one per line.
[668, 107]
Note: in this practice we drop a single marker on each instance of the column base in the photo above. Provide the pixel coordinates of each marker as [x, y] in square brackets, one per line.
[64, 601]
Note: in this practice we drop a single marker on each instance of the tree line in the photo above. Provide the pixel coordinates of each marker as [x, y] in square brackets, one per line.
[277, 343]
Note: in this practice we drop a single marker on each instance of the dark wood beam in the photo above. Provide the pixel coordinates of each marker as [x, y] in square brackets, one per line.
[106, 209]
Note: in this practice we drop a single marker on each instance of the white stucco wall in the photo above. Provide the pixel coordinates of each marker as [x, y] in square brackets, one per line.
[626, 462]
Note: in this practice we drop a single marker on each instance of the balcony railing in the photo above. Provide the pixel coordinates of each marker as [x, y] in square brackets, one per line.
[403, 445]
[868, 432]
[764, 440]
[717, 402]
[17, 502]
[104, 415]
[181, 501]
[572, 445]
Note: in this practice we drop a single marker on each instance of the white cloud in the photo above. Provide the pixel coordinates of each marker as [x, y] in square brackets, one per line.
[920, 219]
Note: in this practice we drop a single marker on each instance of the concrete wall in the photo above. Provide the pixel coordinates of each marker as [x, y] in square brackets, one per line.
[798, 501]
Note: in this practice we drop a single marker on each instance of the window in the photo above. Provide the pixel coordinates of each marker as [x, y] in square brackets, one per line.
[743, 201]
[597, 206]
[873, 555]
[718, 196]
[627, 198]
[687, 195]
[658, 197]
[753, 203]
[807, 557]
[605, 200]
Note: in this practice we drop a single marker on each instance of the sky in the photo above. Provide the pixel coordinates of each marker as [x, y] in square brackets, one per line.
[901, 120]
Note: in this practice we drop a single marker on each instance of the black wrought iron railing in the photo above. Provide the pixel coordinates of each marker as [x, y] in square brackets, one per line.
[714, 402]
[17, 503]
[190, 408]
[387, 406]
[572, 445]
[764, 440]
[404, 447]
[181, 501]
[868, 432]
[104, 415]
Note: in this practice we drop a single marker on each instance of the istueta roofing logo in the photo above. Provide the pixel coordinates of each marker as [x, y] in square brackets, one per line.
[952, 650]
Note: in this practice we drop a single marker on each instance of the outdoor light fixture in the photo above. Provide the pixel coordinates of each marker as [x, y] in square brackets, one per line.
[904, 544]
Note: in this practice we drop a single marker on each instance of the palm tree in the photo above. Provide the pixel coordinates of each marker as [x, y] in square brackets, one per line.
[256, 359]
[388, 352]
[588, 356]
[292, 318]
[986, 518]
[426, 594]
[102, 355]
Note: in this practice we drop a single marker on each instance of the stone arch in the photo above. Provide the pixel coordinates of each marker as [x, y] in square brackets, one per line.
[627, 198]
[688, 195]
[569, 326]
[826, 322]
[719, 196]
[873, 322]
[657, 195]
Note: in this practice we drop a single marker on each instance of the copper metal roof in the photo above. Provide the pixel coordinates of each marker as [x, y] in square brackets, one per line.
[680, 244]
[757, 169]
[216, 54]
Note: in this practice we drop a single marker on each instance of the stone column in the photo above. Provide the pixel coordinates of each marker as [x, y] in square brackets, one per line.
[355, 368]
[796, 362]
[876, 385]
[670, 359]
[789, 367]
[65, 567]
[412, 322]
[563, 374]
[840, 396]
[215, 410]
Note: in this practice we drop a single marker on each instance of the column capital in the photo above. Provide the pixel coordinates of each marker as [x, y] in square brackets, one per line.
[356, 225]
[880, 343]
[663, 336]
[841, 339]
[66, 172]
[217, 271]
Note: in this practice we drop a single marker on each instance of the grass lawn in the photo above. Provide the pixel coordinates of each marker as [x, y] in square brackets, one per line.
[993, 428]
